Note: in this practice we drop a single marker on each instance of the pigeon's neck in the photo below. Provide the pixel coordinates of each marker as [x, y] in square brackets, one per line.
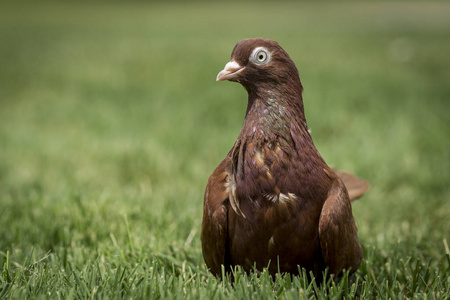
[274, 111]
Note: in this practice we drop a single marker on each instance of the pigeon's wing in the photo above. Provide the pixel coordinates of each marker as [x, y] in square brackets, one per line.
[356, 187]
[215, 223]
[337, 230]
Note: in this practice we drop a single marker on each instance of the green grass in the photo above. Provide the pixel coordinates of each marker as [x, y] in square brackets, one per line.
[111, 123]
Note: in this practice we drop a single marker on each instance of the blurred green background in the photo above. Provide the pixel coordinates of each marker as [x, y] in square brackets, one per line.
[111, 123]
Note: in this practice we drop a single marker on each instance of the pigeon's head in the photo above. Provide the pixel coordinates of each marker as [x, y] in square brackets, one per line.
[257, 62]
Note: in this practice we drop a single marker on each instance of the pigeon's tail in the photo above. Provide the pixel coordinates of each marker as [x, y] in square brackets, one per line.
[356, 187]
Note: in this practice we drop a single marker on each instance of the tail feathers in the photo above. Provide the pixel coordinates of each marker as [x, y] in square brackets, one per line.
[356, 187]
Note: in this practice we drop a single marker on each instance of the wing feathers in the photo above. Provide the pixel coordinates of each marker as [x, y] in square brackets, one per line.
[215, 223]
[337, 230]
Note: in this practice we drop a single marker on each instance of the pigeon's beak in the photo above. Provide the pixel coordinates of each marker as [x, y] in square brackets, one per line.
[230, 71]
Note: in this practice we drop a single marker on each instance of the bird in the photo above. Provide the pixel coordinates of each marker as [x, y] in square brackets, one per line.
[273, 203]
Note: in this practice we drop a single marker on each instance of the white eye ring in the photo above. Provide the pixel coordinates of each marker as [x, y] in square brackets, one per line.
[260, 56]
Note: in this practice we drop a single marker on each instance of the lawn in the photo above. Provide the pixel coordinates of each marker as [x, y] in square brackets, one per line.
[111, 123]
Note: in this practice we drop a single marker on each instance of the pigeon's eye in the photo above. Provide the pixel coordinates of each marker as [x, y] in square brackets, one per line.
[260, 56]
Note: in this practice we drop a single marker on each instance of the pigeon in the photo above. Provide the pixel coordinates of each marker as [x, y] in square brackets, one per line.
[273, 203]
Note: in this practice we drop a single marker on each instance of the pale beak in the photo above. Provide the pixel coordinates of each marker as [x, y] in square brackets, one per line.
[230, 71]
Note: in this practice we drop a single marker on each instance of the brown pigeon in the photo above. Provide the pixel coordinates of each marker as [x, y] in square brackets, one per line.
[273, 201]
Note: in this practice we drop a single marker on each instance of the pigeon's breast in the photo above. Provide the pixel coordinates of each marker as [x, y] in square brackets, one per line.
[275, 206]
[277, 228]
